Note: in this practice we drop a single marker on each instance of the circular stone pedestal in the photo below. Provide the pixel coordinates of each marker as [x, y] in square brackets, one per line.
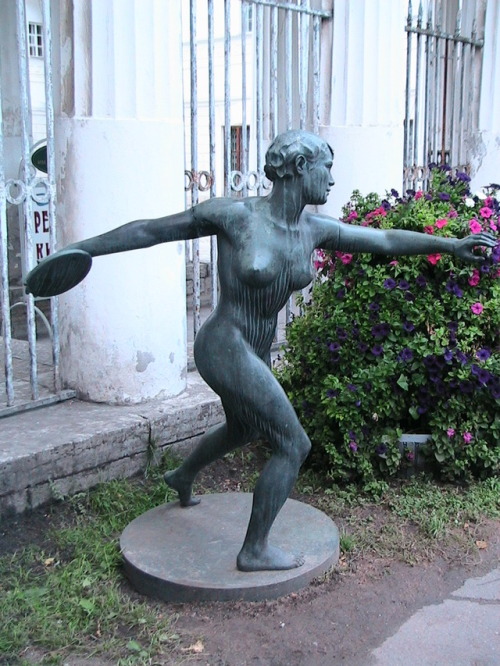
[189, 554]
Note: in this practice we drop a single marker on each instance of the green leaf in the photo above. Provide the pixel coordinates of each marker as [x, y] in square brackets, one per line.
[134, 646]
[403, 382]
[87, 605]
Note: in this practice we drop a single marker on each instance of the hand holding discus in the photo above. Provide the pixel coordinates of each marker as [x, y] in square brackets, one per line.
[58, 273]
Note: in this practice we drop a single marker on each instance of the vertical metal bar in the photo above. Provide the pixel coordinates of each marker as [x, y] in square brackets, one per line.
[435, 129]
[461, 105]
[258, 94]
[51, 177]
[316, 72]
[444, 110]
[194, 162]
[274, 71]
[406, 145]
[4, 272]
[244, 137]
[211, 131]
[454, 88]
[427, 101]
[227, 97]
[28, 207]
[288, 69]
[303, 62]
[416, 116]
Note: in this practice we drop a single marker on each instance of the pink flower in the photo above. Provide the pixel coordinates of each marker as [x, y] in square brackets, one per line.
[477, 308]
[488, 202]
[475, 227]
[346, 258]
[450, 432]
[352, 216]
[493, 226]
[429, 229]
[441, 223]
[485, 212]
[353, 446]
[393, 263]
[433, 258]
[419, 194]
[467, 437]
[453, 213]
[474, 278]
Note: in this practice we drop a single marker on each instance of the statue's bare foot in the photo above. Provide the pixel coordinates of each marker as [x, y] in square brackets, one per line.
[268, 559]
[183, 487]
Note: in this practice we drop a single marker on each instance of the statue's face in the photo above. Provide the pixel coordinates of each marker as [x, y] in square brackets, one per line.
[317, 180]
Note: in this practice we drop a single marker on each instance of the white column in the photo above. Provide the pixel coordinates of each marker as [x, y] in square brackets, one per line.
[486, 151]
[366, 109]
[120, 157]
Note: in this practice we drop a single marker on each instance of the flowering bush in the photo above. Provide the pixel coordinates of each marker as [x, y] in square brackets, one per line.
[411, 344]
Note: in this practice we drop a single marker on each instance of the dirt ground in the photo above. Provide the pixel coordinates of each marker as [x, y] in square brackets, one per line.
[338, 619]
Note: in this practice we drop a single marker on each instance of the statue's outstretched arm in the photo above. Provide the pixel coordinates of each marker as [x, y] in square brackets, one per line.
[393, 242]
[63, 270]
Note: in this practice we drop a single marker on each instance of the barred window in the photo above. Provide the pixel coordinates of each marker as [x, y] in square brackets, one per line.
[35, 40]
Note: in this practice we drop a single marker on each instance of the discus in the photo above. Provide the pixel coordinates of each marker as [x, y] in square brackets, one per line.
[58, 273]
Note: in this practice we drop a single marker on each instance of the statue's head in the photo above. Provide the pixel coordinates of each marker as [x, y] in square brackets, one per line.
[283, 152]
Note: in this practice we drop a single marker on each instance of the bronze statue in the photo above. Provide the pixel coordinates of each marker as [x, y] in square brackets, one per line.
[265, 247]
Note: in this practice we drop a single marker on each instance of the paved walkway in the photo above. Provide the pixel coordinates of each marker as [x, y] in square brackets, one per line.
[463, 630]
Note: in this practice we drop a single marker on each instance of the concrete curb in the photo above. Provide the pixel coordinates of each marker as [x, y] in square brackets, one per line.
[71, 446]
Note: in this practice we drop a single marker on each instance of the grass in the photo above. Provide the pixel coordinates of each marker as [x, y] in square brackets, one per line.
[71, 598]
[68, 596]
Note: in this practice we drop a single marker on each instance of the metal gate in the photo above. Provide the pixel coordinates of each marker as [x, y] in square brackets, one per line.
[27, 202]
[443, 70]
[252, 71]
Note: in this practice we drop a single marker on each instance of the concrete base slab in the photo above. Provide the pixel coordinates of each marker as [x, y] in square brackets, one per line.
[189, 554]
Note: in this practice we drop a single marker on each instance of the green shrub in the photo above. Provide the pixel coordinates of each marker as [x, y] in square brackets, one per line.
[411, 344]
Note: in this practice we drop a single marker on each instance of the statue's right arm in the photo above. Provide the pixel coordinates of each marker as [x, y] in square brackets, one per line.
[139, 234]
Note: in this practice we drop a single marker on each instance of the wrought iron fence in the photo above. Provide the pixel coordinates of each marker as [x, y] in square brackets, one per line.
[443, 69]
[253, 71]
[21, 196]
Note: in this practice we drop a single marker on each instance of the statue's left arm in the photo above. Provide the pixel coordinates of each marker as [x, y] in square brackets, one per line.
[336, 235]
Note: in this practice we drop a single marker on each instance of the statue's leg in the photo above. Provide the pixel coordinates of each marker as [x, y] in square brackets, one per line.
[275, 417]
[214, 444]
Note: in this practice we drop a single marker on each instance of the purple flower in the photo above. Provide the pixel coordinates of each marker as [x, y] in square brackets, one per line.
[374, 307]
[409, 296]
[444, 196]
[352, 387]
[461, 357]
[483, 354]
[457, 291]
[495, 389]
[448, 355]
[377, 350]
[421, 281]
[406, 354]
[389, 283]
[332, 393]
[404, 285]
[381, 449]
[453, 326]
[462, 176]
[408, 327]
[394, 193]
[362, 346]
[340, 294]
[342, 334]
[353, 446]
[334, 346]
[386, 205]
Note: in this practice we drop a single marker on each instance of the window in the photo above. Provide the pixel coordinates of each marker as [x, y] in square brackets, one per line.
[35, 40]
[238, 161]
[249, 21]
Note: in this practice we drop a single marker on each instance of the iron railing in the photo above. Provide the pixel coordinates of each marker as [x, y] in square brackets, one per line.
[444, 56]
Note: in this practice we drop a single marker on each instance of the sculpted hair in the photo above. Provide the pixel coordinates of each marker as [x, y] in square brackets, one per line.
[286, 147]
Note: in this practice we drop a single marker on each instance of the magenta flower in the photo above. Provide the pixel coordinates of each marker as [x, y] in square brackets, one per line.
[352, 216]
[353, 446]
[485, 212]
[477, 308]
[450, 432]
[467, 437]
[475, 227]
[346, 258]
[433, 258]
[474, 278]
[419, 194]
[441, 223]
[429, 229]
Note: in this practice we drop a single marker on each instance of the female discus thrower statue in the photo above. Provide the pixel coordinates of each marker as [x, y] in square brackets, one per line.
[265, 246]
